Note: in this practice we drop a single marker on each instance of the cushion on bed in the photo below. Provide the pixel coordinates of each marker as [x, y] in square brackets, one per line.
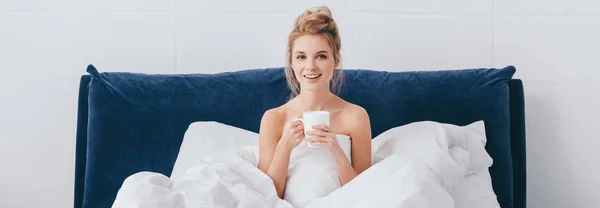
[136, 122]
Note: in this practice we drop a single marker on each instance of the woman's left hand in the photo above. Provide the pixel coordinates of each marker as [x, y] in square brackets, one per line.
[324, 137]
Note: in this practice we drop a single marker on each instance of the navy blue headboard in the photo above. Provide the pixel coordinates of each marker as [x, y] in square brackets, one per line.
[131, 122]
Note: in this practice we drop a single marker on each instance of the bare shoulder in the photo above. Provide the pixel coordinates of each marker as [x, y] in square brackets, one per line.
[272, 119]
[273, 114]
[356, 112]
[272, 123]
[356, 120]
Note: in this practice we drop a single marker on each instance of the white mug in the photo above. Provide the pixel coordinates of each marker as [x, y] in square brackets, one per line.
[311, 118]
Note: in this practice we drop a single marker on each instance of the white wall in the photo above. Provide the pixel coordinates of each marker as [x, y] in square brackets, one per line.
[46, 45]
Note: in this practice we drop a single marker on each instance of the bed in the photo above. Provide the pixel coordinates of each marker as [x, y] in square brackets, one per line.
[131, 122]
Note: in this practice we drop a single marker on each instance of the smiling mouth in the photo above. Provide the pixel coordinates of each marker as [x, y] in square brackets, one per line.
[312, 76]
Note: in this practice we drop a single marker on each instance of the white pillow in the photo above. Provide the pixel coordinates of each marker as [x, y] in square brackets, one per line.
[474, 134]
[475, 189]
[204, 138]
[429, 143]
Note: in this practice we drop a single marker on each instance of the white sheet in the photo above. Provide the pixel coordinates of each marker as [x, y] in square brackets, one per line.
[312, 172]
[416, 165]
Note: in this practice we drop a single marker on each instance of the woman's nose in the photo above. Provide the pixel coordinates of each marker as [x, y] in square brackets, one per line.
[311, 65]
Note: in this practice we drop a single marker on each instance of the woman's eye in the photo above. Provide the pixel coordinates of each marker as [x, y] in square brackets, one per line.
[322, 57]
[300, 57]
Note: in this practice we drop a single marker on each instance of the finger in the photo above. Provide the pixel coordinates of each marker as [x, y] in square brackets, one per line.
[295, 131]
[313, 139]
[323, 143]
[293, 128]
[313, 133]
[320, 127]
[317, 139]
[320, 133]
[298, 128]
[295, 123]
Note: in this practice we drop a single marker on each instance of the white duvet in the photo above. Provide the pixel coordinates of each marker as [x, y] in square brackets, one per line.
[414, 165]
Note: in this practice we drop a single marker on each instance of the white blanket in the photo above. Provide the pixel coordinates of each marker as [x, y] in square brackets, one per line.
[415, 165]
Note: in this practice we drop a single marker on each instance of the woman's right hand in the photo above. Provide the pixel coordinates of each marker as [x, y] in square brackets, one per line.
[292, 135]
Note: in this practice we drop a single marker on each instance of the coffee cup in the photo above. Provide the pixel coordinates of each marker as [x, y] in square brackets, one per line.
[311, 118]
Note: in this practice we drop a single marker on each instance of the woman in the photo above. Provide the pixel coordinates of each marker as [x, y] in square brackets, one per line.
[313, 56]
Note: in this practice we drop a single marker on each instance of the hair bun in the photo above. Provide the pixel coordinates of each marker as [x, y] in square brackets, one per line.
[321, 10]
[316, 20]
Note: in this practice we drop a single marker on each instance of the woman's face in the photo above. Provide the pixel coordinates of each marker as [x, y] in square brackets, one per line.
[313, 62]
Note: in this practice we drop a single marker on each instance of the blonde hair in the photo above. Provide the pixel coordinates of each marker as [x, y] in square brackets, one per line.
[315, 21]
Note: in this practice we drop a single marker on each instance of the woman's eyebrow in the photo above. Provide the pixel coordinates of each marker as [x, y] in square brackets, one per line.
[321, 51]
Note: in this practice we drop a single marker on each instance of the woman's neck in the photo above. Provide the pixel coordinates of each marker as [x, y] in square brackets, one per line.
[314, 101]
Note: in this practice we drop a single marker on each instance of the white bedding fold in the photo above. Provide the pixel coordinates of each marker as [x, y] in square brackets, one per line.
[415, 165]
[213, 182]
